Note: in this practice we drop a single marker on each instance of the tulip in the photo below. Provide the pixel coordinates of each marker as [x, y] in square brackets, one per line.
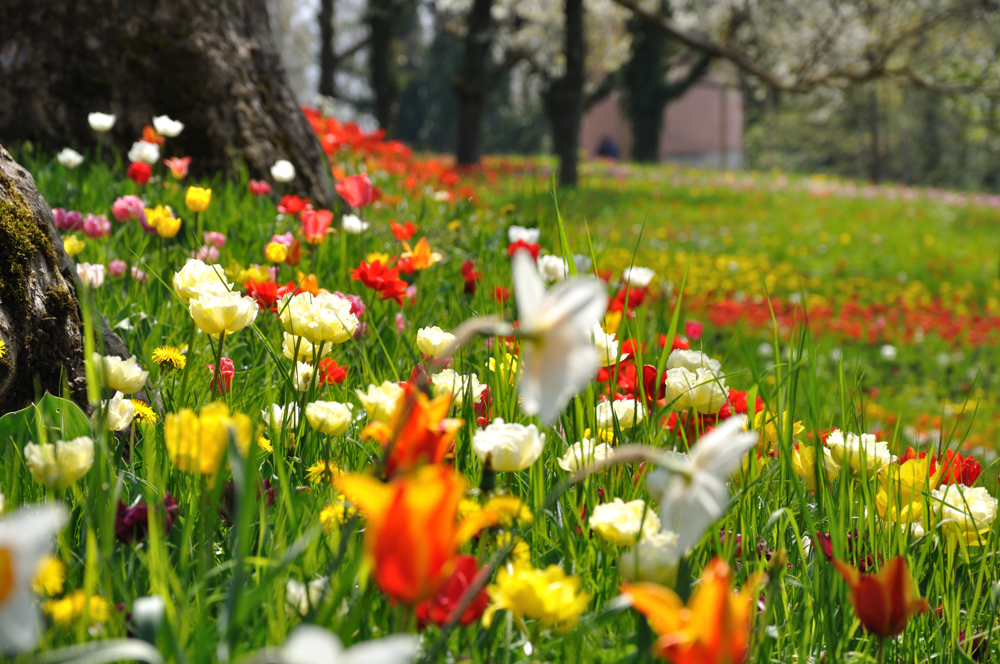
[124, 376]
[638, 277]
[120, 412]
[214, 239]
[91, 276]
[508, 447]
[354, 225]
[61, 464]
[412, 528]
[548, 595]
[714, 627]
[132, 523]
[224, 381]
[127, 208]
[315, 225]
[441, 609]
[169, 128]
[73, 245]
[178, 166]
[281, 416]
[886, 601]
[417, 433]
[116, 268]
[356, 190]
[196, 278]
[624, 524]
[69, 158]
[320, 319]
[655, 558]
[283, 171]
[380, 400]
[222, 313]
[276, 252]
[420, 256]
[101, 122]
[197, 443]
[310, 644]
[329, 417]
[259, 187]
[197, 199]
[144, 152]
[140, 172]
[96, 226]
[402, 231]
[456, 386]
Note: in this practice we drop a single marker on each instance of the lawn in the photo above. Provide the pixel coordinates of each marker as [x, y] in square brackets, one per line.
[818, 306]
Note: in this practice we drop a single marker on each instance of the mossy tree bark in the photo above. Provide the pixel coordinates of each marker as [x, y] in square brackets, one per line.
[212, 65]
[40, 319]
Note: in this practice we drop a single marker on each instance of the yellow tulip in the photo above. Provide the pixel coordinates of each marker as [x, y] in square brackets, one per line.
[197, 443]
[276, 252]
[197, 199]
[73, 245]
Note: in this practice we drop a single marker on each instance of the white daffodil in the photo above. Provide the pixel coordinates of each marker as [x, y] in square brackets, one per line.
[310, 644]
[694, 493]
[25, 537]
[558, 357]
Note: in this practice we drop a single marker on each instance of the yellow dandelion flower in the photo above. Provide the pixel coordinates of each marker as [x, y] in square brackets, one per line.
[143, 412]
[468, 508]
[168, 358]
[50, 575]
[336, 514]
[520, 554]
[64, 612]
[265, 444]
[322, 470]
[509, 509]
[3, 348]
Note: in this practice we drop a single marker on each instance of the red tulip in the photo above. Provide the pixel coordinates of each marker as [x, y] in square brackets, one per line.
[222, 384]
[315, 224]
[140, 172]
[356, 190]
[439, 609]
[886, 601]
[259, 187]
[402, 231]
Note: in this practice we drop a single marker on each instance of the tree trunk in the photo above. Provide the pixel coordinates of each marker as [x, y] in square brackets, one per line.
[876, 166]
[327, 57]
[40, 319]
[212, 65]
[473, 82]
[564, 101]
[383, 19]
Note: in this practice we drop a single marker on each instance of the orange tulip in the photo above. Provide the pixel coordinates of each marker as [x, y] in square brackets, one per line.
[412, 531]
[417, 433]
[420, 256]
[713, 628]
[886, 601]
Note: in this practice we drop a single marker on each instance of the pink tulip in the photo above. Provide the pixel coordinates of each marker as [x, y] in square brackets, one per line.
[693, 330]
[400, 322]
[286, 239]
[96, 226]
[139, 275]
[127, 208]
[215, 239]
[207, 254]
[356, 190]
[91, 276]
[116, 268]
[225, 380]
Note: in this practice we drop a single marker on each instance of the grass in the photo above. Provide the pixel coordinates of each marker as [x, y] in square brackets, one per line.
[224, 579]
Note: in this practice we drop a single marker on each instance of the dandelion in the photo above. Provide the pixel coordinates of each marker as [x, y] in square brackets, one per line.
[143, 412]
[50, 575]
[322, 470]
[169, 358]
[66, 611]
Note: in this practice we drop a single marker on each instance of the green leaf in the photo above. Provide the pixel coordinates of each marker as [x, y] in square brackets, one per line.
[62, 419]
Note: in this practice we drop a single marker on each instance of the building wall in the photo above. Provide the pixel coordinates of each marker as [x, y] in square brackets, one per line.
[697, 127]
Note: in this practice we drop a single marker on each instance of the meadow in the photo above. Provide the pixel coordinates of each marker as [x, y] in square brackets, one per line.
[791, 393]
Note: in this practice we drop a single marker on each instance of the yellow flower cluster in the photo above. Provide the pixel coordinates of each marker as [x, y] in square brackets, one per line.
[196, 443]
[548, 595]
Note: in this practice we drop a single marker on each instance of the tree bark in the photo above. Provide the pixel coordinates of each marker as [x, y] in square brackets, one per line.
[40, 319]
[212, 65]
[327, 57]
[564, 99]
[473, 82]
[384, 17]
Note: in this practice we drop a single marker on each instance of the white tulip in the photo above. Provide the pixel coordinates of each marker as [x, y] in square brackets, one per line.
[678, 388]
[653, 559]
[283, 171]
[558, 357]
[583, 455]
[302, 376]
[628, 412]
[692, 360]
[169, 128]
[120, 412]
[26, 536]
[329, 417]
[433, 340]
[91, 274]
[607, 347]
[522, 234]
[352, 224]
[458, 385]
[310, 644]
[301, 597]
[638, 277]
[291, 342]
[858, 454]
[101, 122]
[69, 158]
[277, 416]
[509, 447]
[196, 277]
[325, 318]
[709, 393]
[60, 464]
[125, 376]
[144, 151]
[552, 268]
[623, 524]
[223, 313]
[380, 400]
